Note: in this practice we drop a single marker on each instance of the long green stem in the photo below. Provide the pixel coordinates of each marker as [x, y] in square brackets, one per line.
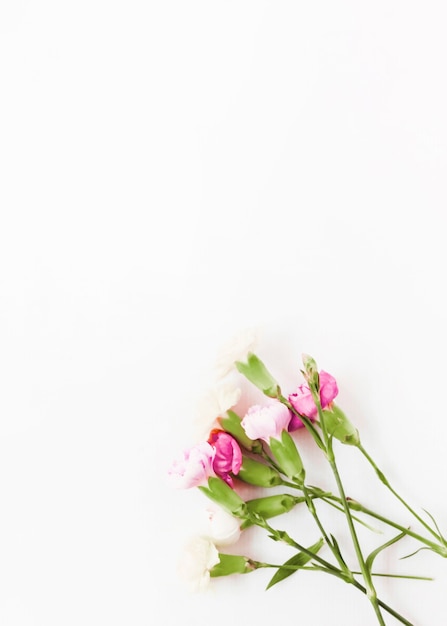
[333, 501]
[328, 568]
[371, 591]
[329, 498]
[332, 545]
[354, 504]
[311, 568]
[280, 535]
[385, 481]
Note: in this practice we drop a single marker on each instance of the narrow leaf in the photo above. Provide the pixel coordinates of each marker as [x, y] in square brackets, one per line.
[407, 556]
[370, 560]
[295, 563]
[436, 525]
[337, 548]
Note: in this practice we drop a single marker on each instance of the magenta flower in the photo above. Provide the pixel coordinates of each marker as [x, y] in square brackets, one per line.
[266, 422]
[227, 455]
[193, 468]
[303, 402]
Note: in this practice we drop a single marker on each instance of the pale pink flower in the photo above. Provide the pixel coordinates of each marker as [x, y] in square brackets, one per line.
[196, 561]
[227, 455]
[193, 468]
[303, 402]
[266, 422]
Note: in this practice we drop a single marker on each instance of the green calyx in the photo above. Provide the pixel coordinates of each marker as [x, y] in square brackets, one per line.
[232, 564]
[218, 491]
[231, 424]
[257, 373]
[271, 506]
[288, 457]
[338, 425]
[256, 473]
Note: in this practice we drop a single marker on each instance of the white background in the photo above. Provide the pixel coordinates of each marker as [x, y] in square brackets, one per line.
[172, 172]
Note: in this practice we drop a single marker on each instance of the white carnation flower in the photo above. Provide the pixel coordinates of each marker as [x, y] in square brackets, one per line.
[196, 561]
[214, 403]
[235, 350]
[220, 527]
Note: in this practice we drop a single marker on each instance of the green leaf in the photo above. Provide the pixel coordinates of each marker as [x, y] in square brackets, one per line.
[337, 548]
[256, 372]
[436, 525]
[407, 556]
[294, 564]
[370, 559]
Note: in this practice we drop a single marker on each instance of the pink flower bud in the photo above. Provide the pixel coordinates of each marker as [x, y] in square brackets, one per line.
[303, 402]
[227, 455]
[266, 422]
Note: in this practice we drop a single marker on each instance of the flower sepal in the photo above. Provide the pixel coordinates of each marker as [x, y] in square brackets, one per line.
[288, 457]
[258, 474]
[311, 372]
[218, 491]
[231, 423]
[338, 425]
[271, 506]
[257, 373]
[232, 564]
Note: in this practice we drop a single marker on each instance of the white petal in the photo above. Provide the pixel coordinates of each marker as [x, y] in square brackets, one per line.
[236, 349]
[197, 559]
[214, 403]
[220, 527]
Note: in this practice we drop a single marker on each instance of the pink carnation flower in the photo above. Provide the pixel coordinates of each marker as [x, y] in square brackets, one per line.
[266, 422]
[303, 402]
[227, 455]
[193, 468]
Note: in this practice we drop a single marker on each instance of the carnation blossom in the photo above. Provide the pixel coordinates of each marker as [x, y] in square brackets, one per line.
[303, 402]
[235, 350]
[220, 527]
[196, 561]
[227, 455]
[215, 402]
[266, 422]
[193, 468]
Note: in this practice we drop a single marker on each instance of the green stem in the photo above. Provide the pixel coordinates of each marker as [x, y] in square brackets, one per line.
[281, 535]
[370, 589]
[333, 547]
[330, 499]
[363, 509]
[327, 567]
[385, 481]
[333, 501]
[306, 421]
[310, 568]
[385, 606]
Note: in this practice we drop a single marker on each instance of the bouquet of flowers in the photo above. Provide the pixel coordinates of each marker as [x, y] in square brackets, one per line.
[261, 448]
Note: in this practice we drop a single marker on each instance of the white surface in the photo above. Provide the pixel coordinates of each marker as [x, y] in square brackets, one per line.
[173, 172]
